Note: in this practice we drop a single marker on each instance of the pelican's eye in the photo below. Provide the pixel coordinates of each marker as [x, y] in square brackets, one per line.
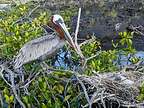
[59, 21]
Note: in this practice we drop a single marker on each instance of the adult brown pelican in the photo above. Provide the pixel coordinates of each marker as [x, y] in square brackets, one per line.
[45, 46]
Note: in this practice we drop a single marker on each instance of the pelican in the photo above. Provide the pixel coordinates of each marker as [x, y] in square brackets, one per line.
[45, 46]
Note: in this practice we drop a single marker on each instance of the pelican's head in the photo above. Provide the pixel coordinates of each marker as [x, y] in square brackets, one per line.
[61, 29]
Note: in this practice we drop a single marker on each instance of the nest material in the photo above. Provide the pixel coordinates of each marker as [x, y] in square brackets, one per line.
[120, 86]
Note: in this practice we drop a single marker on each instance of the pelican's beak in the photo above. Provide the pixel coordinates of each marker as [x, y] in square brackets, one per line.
[69, 39]
[67, 35]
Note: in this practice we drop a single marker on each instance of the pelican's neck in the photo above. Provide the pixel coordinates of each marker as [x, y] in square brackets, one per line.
[57, 29]
[60, 32]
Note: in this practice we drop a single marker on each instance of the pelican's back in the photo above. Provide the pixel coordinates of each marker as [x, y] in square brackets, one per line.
[38, 48]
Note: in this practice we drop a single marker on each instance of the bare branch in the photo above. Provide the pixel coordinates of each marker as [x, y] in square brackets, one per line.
[103, 102]
[77, 27]
[30, 80]
[85, 91]
[1, 101]
[76, 34]
[1, 74]
[33, 10]
[87, 59]
[86, 42]
[14, 87]
[98, 99]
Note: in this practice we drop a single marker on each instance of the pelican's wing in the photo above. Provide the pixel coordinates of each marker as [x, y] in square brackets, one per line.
[43, 46]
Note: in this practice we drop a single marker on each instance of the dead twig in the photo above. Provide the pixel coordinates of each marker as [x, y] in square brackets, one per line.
[98, 99]
[135, 29]
[13, 86]
[87, 59]
[30, 13]
[1, 99]
[30, 80]
[102, 99]
[87, 42]
[76, 34]
[1, 74]
[139, 105]
[85, 91]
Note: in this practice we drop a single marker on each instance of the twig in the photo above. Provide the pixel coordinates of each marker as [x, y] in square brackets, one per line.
[140, 105]
[30, 80]
[33, 10]
[96, 100]
[93, 96]
[14, 1]
[86, 42]
[65, 92]
[135, 29]
[103, 102]
[85, 91]
[77, 27]
[93, 56]
[76, 33]
[14, 87]
[1, 99]
[2, 69]
[87, 59]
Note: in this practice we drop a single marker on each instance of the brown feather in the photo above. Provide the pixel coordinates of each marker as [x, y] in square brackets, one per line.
[38, 48]
[60, 32]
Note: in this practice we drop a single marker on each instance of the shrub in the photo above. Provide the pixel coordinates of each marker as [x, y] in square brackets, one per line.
[17, 28]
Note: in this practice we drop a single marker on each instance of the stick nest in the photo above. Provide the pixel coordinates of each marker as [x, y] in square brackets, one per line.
[122, 87]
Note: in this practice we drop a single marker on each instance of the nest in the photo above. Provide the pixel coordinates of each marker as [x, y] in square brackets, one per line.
[121, 87]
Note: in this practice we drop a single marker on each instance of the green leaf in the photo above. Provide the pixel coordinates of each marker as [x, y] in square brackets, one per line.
[129, 42]
[122, 41]
[25, 98]
[43, 105]
[115, 45]
[40, 79]
[93, 64]
[5, 91]
[27, 34]
[59, 88]
[6, 98]
[11, 98]
[67, 97]
[125, 34]
[44, 86]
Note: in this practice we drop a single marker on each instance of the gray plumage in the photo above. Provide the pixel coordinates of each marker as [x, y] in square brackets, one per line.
[39, 48]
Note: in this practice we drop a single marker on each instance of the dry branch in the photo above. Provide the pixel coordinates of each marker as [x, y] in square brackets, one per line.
[12, 85]
[76, 34]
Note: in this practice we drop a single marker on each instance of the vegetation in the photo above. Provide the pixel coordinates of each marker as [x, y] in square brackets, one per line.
[58, 89]
[17, 29]
[141, 96]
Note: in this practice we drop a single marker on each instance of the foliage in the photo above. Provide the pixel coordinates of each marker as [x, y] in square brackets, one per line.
[58, 89]
[103, 62]
[126, 41]
[52, 91]
[141, 96]
[127, 48]
[17, 29]
[107, 61]
[68, 13]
